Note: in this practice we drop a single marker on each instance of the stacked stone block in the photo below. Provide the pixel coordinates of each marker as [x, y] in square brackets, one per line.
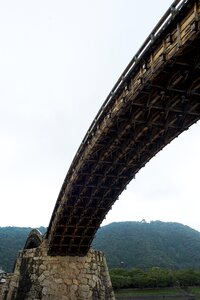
[39, 276]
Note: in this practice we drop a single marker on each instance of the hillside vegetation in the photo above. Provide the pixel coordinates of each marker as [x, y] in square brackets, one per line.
[126, 245]
[12, 239]
[146, 245]
[154, 278]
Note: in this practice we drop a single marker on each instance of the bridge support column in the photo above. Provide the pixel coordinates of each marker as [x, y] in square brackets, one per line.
[39, 276]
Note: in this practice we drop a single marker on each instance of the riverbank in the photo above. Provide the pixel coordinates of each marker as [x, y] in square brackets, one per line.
[192, 293]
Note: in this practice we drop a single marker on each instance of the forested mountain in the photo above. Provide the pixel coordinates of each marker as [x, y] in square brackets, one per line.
[144, 245]
[126, 244]
[12, 239]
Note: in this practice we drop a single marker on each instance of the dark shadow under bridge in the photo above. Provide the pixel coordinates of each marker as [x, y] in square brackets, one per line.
[155, 99]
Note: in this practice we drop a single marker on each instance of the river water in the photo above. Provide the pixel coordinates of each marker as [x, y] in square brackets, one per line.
[160, 298]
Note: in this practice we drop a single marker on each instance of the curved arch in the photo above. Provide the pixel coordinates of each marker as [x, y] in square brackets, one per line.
[34, 239]
[155, 100]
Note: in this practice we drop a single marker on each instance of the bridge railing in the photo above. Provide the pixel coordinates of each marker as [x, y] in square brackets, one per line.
[132, 67]
[156, 32]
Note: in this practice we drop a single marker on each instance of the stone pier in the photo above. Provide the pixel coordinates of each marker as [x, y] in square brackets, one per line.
[39, 276]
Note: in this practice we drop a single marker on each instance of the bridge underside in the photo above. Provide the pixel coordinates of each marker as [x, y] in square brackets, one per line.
[152, 109]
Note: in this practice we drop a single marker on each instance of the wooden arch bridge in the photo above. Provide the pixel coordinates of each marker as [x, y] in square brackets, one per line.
[155, 99]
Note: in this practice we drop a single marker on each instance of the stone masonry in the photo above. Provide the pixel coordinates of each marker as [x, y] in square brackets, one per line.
[39, 276]
[4, 287]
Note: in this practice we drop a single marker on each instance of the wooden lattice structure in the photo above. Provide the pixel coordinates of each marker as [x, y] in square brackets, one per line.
[156, 98]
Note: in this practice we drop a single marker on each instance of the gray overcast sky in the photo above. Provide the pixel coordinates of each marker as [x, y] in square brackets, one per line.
[58, 61]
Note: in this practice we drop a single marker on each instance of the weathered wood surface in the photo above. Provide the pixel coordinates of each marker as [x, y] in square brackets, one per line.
[155, 99]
